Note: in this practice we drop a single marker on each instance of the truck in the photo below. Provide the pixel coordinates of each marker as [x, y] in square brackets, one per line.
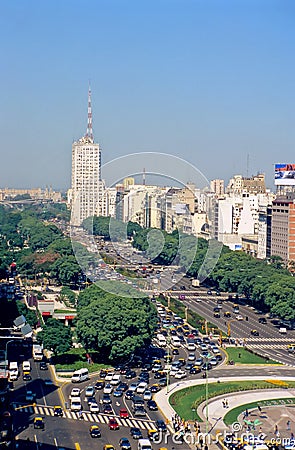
[37, 352]
[195, 283]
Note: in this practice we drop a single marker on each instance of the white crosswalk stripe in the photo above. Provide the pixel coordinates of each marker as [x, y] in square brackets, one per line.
[274, 346]
[88, 417]
[269, 339]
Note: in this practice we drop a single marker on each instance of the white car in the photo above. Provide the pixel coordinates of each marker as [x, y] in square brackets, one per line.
[239, 317]
[109, 376]
[180, 374]
[108, 389]
[115, 380]
[147, 395]
[191, 357]
[94, 408]
[141, 387]
[173, 372]
[215, 350]
[191, 347]
[89, 391]
[75, 392]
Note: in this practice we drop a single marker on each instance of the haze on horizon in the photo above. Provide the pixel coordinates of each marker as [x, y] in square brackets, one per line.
[209, 81]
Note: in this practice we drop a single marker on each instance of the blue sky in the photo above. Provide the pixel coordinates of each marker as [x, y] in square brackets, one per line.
[209, 81]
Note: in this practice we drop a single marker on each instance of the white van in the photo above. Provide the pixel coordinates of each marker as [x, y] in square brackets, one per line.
[26, 366]
[161, 340]
[76, 404]
[80, 375]
[144, 444]
[13, 371]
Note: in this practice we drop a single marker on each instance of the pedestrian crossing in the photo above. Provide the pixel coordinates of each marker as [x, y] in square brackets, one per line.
[88, 417]
[287, 340]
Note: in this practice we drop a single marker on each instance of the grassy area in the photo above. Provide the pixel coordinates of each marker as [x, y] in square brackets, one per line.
[76, 359]
[232, 415]
[186, 401]
[240, 355]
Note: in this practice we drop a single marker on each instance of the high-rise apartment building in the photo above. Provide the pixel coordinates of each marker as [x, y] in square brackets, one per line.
[283, 227]
[87, 187]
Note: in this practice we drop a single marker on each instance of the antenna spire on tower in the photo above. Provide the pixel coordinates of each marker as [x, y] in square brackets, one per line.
[89, 132]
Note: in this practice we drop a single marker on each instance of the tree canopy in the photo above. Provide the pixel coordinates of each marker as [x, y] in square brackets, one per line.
[113, 325]
[55, 336]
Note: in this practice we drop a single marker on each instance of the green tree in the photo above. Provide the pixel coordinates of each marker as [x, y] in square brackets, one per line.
[113, 325]
[55, 336]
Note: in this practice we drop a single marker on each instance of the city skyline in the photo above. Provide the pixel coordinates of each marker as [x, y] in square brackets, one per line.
[208, 82]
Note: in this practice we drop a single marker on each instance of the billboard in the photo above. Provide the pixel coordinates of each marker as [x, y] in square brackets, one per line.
[285, 174]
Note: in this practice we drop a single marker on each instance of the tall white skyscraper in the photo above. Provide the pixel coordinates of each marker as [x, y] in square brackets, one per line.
[87, 186]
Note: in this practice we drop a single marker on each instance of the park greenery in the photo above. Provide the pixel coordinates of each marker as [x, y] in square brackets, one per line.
[186, 401]
[55, 336]
[114, 325]
[241, 355]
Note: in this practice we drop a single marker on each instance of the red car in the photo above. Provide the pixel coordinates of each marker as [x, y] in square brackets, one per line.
[113, 424]
[124, 413]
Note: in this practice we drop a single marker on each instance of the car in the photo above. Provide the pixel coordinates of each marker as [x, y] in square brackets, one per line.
[163, 381]
[113, 424]
[100, 384]
[207, 366]
[180, 374]
[75, 392]
[218, 356]
[155, 388]
[153, 434]
[217, 315]
[215, 350]
[141, 387]
[239, 317]
[123, 413]
[262, 320]
[103, 373]
[227, 314]
[191, 357]
[152, 405]
[89, 391]
[136, 433]
[147, 395]
[124, 444]
[139, 411]
[133, 386]
[90, 400]
[108, 389]
[39, 423]
[43, 365]
[189, 366]
[108, 447]
[160, 424]
[198, 362]
[175, 351]
[48, 382]
[27, 376]
[130, 374]
[107, 409]
[94, 431]
[194, 370]
[117, 393]
[129, 394]
[209, 292]
[106, 399]
[94, 408]
[123, 386]
[254, 333]
[213, 361]
[57, 411]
